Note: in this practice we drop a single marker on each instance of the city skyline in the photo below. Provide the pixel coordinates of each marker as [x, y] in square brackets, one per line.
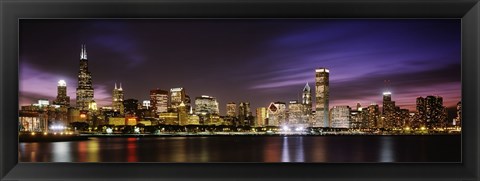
[428, 69]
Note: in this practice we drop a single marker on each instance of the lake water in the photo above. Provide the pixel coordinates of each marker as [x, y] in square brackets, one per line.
[445, 148]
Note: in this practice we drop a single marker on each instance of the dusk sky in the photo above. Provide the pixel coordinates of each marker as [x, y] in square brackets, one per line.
[257, 61]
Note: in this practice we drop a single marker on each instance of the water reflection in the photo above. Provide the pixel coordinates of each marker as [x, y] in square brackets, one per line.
[92, 148]
[82, 151]
[62, 152]
[132, 150]
[285, 150]
[386, 149]
[299, 156]
[248, 149]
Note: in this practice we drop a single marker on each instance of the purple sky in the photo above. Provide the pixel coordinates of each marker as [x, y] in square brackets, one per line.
[246, 60]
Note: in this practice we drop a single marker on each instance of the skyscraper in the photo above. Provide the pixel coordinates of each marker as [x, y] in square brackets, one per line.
[307, 100]
[62, 98]
[458, 119]
[130, 107]
[340, 117]
[431, 111]
[117, 99]
[177, 96]
[321, 97]
[159, 100]
[276, 113]
[261, 116]
[295, 113]
[231, 109]
[85, 87]
[182, 114]
[244, 113]
[388, 110]
[373, 116]
[206, 105]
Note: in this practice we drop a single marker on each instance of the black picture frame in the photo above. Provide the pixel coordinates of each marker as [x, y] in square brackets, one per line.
[11, 11]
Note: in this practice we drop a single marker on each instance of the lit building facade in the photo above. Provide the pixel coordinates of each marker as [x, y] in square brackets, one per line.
[231, 109]
[458, 120]
[261, 116]
[177, 96]
[146, 104]
[431, 111]
[85, 88]
[117, 99]
[357, 119]
[182, 114]
[206, 105]
[62, 98]
[373, 116]
[295, 113]
[340, 117]
[388, 110]
[322, 97]
[307, 100]
[244, 113]
[159, 101]
[276, 113]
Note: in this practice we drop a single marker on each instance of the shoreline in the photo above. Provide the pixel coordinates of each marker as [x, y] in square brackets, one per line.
[82, 137]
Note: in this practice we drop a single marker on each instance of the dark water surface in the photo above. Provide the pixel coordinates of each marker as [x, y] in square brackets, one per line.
[249, 149]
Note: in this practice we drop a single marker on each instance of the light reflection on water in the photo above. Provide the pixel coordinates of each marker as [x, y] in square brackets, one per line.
[386, 153]
[247, 149]
[62, 152]
[285, 150]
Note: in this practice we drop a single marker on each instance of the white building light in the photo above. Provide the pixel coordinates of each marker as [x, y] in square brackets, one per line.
[62, 83]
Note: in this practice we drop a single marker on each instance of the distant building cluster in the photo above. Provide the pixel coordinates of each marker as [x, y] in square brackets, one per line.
[174, 107]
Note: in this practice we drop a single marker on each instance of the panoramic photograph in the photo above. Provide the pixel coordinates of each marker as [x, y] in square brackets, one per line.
[240, 90]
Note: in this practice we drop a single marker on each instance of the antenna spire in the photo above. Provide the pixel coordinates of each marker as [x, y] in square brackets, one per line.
[83, 52]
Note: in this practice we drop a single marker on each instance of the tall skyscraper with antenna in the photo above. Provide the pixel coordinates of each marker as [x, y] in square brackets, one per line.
[85, 88]
[117, 102]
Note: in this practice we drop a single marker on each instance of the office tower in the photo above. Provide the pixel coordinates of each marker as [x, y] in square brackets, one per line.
[62, 98]
[261, 116]
[307, 100]
[244, 114]
[182, 114]
[130, 106]
[117, 99]
[401, 117]
[187, 102]
[321, 97]
[458, 119]
[85, 87]
[295, 113]
[206, 105]
[373, 116]
[340, 117]
[159, 101]
[388, 110]
[357, 119]
[431, 111]
[177, 96]
[276, 113]
[231, 109]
